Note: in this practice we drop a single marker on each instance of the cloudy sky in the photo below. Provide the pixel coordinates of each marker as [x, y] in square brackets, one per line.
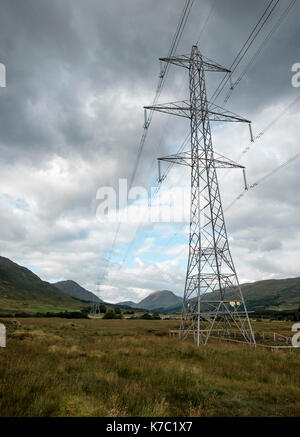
[71, 117]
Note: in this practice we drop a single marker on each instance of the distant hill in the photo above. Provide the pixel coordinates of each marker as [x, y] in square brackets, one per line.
[272, 294]
[160, 300]
[22, 290]
[128, 303]
[74, 290]
[267, 295]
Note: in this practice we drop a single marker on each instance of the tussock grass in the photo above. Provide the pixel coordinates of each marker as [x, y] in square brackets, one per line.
[54, 367]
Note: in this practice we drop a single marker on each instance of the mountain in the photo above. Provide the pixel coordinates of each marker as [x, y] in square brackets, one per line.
[266, 295]
[22, 290]
[272, 294]
[128, 303]
[160, 300]
[74, 290]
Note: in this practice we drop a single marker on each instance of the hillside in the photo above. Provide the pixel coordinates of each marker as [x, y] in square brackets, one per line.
[22, 290]
[74, 290]
[273, 294]
[160, 300]
[267, 295]
[128, 303]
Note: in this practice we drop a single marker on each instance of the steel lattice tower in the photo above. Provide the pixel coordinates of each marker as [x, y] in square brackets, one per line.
[212, 295]
[95, 311]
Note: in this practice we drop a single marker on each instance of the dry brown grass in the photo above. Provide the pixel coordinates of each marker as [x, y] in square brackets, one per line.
[54, 367]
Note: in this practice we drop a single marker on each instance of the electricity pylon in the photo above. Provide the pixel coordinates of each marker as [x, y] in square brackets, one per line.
[95, 311]
[212, 297]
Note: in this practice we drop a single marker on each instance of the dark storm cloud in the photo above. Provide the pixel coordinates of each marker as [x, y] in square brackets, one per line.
[58, 52]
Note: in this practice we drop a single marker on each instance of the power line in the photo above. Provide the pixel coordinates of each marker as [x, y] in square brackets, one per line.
[201, 31]
[276, 169]
[153, 197]
[261, 133]
[234, 64]
[269, 125]
[259, 181]
[246, 46]
[175, 41]
[163, 76]
[260, 49]
[207, 20]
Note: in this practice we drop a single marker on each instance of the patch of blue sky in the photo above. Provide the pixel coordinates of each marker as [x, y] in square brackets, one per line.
[33, 268]
[22, 204]
[163, 240]
[154, 181]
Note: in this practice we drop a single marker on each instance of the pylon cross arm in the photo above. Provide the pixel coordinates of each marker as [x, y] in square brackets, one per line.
[217, 113]
[186, 60]
[185, 158]
[181, 109]
[184, 109]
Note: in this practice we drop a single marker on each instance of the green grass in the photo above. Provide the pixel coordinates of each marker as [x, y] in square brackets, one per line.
[12, 306]
[22, 291]
[56, 367]
[49, 308]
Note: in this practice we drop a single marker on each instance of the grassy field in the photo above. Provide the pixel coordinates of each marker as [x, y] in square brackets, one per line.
[12, 306]
[57, 367]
